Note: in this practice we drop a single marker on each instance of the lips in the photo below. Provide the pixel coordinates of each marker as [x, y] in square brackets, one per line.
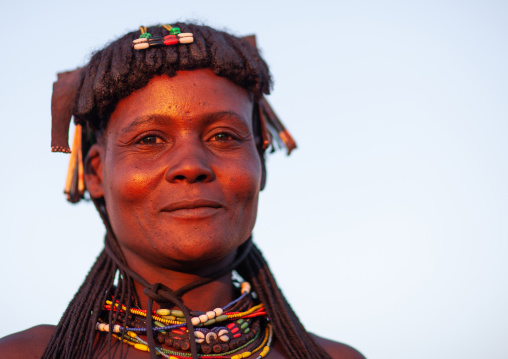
[193, 208]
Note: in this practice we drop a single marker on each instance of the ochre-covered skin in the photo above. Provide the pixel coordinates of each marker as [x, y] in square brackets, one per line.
[179, 170]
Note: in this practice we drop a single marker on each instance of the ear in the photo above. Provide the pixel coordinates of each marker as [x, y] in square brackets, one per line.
[263, 173]
[93, 171]
[259, 138]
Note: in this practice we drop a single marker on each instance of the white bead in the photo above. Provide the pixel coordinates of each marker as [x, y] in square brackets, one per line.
[195, 321]
[139, 41]
[211, 336]
[223, 335]
[203, 318]
[218, 311]
[141, 46]
[210, 314]
[186, 40]
[200, 337]
[185, 34]
[116, 328]
[101, 327]
[106, 328]
[224, 338]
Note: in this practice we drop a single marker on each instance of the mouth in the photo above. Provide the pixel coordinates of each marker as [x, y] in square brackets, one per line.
[193, 208]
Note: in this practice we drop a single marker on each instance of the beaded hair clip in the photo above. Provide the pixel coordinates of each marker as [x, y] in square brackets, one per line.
[175, 36]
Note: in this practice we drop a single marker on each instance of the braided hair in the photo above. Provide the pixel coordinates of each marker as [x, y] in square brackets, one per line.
[112, 74]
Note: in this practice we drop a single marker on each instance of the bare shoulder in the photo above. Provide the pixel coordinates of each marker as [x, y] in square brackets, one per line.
[26, 344]
[338, 350]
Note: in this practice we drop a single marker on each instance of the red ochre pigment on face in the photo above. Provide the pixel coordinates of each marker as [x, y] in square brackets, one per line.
[180, 170]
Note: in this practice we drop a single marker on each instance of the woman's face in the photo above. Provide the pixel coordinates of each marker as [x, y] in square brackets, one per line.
[179, 169]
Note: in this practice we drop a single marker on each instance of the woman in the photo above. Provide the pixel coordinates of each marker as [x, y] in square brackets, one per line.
[172, 131]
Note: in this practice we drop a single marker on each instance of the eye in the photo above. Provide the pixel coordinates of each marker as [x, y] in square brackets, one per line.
[150, 140]
[222, 137]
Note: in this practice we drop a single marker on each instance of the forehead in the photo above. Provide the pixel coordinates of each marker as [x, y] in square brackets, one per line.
[188, 95]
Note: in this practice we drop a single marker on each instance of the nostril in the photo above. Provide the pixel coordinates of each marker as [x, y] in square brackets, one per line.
[201, 178]
[190, 178]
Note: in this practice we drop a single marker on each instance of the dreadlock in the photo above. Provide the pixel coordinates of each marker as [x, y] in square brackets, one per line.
[112, 74]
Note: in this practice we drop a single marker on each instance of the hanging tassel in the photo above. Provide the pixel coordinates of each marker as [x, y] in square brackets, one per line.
[273, 122]
[62, 102]
[271, 127]
[75, 184]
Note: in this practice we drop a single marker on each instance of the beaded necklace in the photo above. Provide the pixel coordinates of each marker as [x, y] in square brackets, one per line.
[238, 330]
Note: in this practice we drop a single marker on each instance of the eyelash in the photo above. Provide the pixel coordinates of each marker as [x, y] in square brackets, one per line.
[228, 137]
[156, 137]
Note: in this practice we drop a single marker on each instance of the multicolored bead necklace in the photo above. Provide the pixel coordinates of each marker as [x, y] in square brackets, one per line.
[175, 36]
[238, 330]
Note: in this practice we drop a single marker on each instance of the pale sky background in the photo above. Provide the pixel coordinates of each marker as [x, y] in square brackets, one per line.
[387, 229]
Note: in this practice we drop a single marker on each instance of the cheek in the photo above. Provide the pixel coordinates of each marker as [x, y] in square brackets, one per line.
[130, 183]
[243, 182]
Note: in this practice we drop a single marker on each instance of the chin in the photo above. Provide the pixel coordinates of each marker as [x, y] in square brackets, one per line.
[190, 251]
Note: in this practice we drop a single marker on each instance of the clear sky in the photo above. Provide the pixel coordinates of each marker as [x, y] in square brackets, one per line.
[394, 208]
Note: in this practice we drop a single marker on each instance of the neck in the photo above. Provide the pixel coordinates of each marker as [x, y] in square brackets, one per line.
[215, 294]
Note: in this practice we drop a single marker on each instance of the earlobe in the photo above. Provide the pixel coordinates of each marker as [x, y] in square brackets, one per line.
[93, 171]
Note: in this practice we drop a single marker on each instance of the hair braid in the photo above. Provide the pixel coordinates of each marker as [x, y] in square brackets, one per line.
[287, 327]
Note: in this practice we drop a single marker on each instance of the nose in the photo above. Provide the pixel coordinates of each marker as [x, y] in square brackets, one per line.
[189, 163]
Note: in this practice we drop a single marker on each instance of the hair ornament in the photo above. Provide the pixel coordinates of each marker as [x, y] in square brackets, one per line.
[65, 89]
[75, 182]
[271, 126]
[175, 37]
[271, 123]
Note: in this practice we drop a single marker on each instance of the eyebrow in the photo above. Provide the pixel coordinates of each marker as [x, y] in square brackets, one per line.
[156, 119]
[164, 119]
[230, 115]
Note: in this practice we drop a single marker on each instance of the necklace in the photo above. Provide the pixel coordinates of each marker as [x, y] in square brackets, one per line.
[238, 330]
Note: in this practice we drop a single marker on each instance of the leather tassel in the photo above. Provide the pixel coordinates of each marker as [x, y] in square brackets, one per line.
[280, 131]
[251, 40]
[270, 123]
[62, 103]
[75, 184]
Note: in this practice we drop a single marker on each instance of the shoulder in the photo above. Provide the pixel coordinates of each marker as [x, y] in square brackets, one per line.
[26, 344]
[337, 350]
